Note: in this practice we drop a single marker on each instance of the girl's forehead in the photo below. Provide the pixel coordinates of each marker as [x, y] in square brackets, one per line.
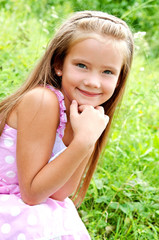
[102, 39]
[78, 37]
[96, 53]
[95, 46]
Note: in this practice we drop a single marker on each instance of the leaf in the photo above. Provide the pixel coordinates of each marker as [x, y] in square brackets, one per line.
[146, 152]
[102, 199]
[157, 212]
[116, 189]
[125, 208]
[114, 205]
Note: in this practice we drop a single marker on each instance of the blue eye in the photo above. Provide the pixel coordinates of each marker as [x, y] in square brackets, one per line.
[108, 72]
[81, 65]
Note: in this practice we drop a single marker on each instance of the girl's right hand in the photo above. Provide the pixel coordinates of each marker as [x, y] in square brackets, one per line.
[87, 122]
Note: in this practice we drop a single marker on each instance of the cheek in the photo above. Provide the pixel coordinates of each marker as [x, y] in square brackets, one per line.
[109, 87]
[71, 78]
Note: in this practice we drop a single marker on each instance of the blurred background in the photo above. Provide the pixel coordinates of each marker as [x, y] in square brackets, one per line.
[123, 198]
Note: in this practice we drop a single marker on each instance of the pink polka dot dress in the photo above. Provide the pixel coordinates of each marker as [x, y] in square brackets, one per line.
[50, 220]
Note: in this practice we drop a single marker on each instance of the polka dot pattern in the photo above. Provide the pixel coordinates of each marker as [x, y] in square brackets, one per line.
[8, 142]
[5, 228]
[9, 159]
[15, 211]
[10, 174]
[21, 236]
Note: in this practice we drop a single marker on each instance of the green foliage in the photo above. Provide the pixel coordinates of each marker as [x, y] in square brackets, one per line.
[25, 33]
[123, 198]
[141, 15]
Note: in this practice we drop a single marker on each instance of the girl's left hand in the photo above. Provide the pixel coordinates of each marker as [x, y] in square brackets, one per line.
[87, 122]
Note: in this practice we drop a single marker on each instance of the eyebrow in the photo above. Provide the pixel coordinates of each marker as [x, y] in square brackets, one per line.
[110, 67]
[78, 59]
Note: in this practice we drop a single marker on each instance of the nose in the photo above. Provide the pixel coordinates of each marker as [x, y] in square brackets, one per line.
[93, 80]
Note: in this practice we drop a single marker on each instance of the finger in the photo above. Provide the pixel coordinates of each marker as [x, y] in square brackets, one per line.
[106, 119]
[74, 108]
[100, 108]
[81, 108]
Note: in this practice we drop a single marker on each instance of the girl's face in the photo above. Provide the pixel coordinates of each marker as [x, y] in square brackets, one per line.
[90, 71]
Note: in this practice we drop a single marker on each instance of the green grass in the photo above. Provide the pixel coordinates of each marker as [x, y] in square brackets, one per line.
[123, 198]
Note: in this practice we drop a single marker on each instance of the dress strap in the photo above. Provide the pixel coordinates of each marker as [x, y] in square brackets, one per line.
[63, 117]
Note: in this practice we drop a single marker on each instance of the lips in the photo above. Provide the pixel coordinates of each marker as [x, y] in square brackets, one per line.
[88, 94]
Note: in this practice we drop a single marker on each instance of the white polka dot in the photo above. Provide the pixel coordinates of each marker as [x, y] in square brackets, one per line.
[21, 236]
[32, 220]
[5, 228]
[8, 142]
[5, 197]
[15, 211]
[9, 159]
[10, 174]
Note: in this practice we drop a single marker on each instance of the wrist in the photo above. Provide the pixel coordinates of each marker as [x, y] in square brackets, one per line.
[83, 144]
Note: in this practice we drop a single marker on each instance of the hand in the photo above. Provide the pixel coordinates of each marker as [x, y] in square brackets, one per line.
[87, 122]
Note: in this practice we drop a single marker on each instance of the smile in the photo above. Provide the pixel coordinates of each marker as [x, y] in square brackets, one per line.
[88, 94]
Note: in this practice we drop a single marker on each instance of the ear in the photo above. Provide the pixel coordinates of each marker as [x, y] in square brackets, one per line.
[58, 71]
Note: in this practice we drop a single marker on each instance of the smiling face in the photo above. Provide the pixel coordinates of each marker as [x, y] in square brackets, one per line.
[90, 71]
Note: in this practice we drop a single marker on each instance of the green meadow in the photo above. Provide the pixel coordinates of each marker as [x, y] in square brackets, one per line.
[123, 198]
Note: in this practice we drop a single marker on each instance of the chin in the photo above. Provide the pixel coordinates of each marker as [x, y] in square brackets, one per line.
[86, 103]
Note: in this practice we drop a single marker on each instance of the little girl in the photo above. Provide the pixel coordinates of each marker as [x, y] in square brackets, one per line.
[55, 126]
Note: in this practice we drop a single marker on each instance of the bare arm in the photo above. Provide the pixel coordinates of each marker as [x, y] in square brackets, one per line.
[71, 185]
[37, 123]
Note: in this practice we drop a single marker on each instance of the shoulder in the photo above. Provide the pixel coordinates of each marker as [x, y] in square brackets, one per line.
[39, 97]
[38, 102]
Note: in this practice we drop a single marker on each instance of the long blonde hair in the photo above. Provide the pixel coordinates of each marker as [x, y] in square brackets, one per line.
[84, 22]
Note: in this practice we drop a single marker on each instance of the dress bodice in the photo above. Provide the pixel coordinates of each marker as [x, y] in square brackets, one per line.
[8, 139]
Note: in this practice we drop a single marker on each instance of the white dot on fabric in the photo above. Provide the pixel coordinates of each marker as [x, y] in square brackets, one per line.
[10, 174]
[21, 236]
[32, 220]
[4, 197]
[5, 228]
[15, 211]
[8, 142]
[9, 159]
